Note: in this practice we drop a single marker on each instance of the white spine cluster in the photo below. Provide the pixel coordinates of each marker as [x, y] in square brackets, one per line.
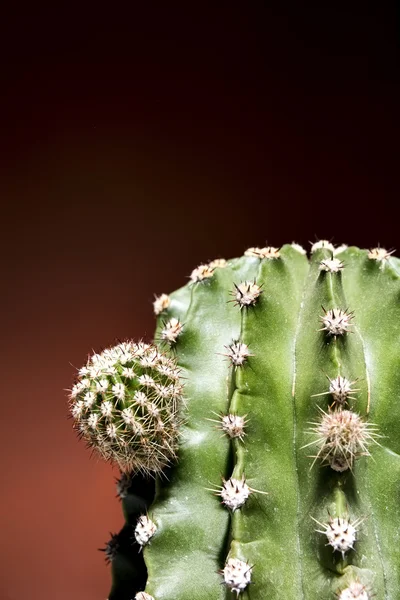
[144, 530]
[233, 425]
[380, 255]
[355, 591]
[298, 248]
[161, 303]
[322, 244]
[201, 273]
[336, 321]
[238, 353]
[342, 436]
[237, 575]
[234, 493]
[267, 252]
[331, 265]
[171, 331]
[218, 263]
[341, 390]
[143, 596]
[340, 249]
[340, 533]
[246, 293]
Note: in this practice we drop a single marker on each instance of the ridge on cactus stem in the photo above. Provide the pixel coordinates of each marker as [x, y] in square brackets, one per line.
[248, 375]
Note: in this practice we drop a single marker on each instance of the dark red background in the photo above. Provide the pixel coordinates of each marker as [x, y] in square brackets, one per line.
[136, 146]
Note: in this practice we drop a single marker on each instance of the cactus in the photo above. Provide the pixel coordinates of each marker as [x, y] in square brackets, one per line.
[258, 438]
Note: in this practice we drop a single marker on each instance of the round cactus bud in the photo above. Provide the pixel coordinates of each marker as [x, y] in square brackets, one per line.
[125, 404]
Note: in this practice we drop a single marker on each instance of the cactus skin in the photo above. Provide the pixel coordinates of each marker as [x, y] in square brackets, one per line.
[296, 477]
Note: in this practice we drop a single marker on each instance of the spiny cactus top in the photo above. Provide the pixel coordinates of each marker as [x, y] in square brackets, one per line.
[283, 460]
[125, 404]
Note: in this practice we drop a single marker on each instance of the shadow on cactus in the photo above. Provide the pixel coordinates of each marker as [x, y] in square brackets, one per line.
[258, 437]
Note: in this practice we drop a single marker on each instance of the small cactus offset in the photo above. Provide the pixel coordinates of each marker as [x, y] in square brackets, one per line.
[258, 437]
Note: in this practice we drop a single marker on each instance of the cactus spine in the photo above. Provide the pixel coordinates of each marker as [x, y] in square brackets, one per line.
[288, 471]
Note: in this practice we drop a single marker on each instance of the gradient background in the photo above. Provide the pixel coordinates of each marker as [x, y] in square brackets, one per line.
[135, 147]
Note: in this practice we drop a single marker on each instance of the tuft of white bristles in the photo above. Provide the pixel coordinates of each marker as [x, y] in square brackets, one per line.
[161, 303]
[246, 293]
[340, 533]
[218, 263]
[331, 265]
[171, 332]
[340, 389]
[322, 244]
[267, 252]
[340, 249]
[201, 273]
[237, 575]
[380, 255]
[299, 248]
[336, 321]
[342, 436]
[238, 353]
[355, 591]
[234, 493]
[233, 425]
[143, 596]
[144, 530]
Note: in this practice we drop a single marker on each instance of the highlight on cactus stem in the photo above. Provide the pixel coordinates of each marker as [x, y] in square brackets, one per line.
[258, 437]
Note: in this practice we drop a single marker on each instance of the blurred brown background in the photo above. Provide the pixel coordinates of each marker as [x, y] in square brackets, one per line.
[136, 146]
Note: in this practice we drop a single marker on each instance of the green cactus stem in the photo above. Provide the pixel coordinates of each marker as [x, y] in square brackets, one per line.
[280, 477]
